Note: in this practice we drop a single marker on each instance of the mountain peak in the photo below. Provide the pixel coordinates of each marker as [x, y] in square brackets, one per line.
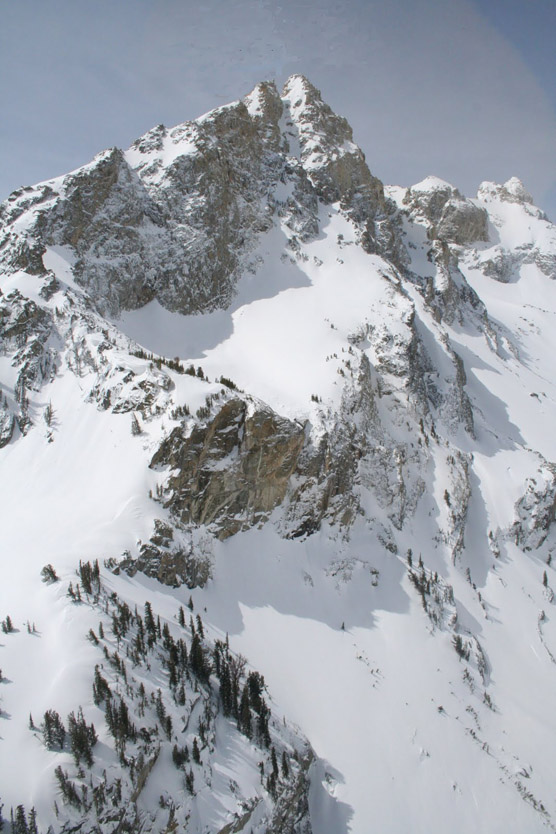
[512, 191]
[239, 376]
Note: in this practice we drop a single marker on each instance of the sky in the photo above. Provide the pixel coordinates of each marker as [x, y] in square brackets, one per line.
[463, 89]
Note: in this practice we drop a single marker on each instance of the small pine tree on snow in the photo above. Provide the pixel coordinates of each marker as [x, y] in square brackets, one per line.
[33, 822]
[226, 690]
[53, 730]
[545, 579]
[180, 755]
[190, 603]
[274, 762]
[135, 425]
[244, 718]
[196, 753]
[7, 625]
[82, 737]
[197, 661]
[262, 723]
[181, 617]
[460, 648]
[150, 625]
[255, 682]
[48, 574]
[285, 766]
[20, 824]
[271, 785]
[48, 414]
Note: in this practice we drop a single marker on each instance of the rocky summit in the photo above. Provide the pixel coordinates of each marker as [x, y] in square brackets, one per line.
[278, 490]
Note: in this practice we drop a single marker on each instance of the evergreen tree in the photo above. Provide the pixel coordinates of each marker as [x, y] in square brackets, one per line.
[197, 661]
[226, 696]
[82, 737]
[196, 752]
[274, 762]
[33, 822]
[48, 574]
[255, 681]
[150, 625]
[160, 708]
[135, 425]
[244, 718]
[262, 724]
[180, 755]
[20, 825]
[53, 730]
[101, 689]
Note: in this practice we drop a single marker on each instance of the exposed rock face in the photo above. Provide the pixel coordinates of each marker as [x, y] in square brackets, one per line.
[178, 215]
[231, 473]
[234, 471]
[536, 510]
[7, 422]
[503, 263]
[106, 215]
[452, 218]
[25, 331]
[334, 163]
[462, 222]
[172, 562]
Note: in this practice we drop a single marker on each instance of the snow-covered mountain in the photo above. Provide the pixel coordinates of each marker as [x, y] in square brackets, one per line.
[278, 484]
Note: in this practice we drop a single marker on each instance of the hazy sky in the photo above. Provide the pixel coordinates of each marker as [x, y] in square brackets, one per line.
[464, 89]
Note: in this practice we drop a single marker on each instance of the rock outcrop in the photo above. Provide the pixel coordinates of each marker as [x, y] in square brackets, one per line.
[234, 471]
[452, 218]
